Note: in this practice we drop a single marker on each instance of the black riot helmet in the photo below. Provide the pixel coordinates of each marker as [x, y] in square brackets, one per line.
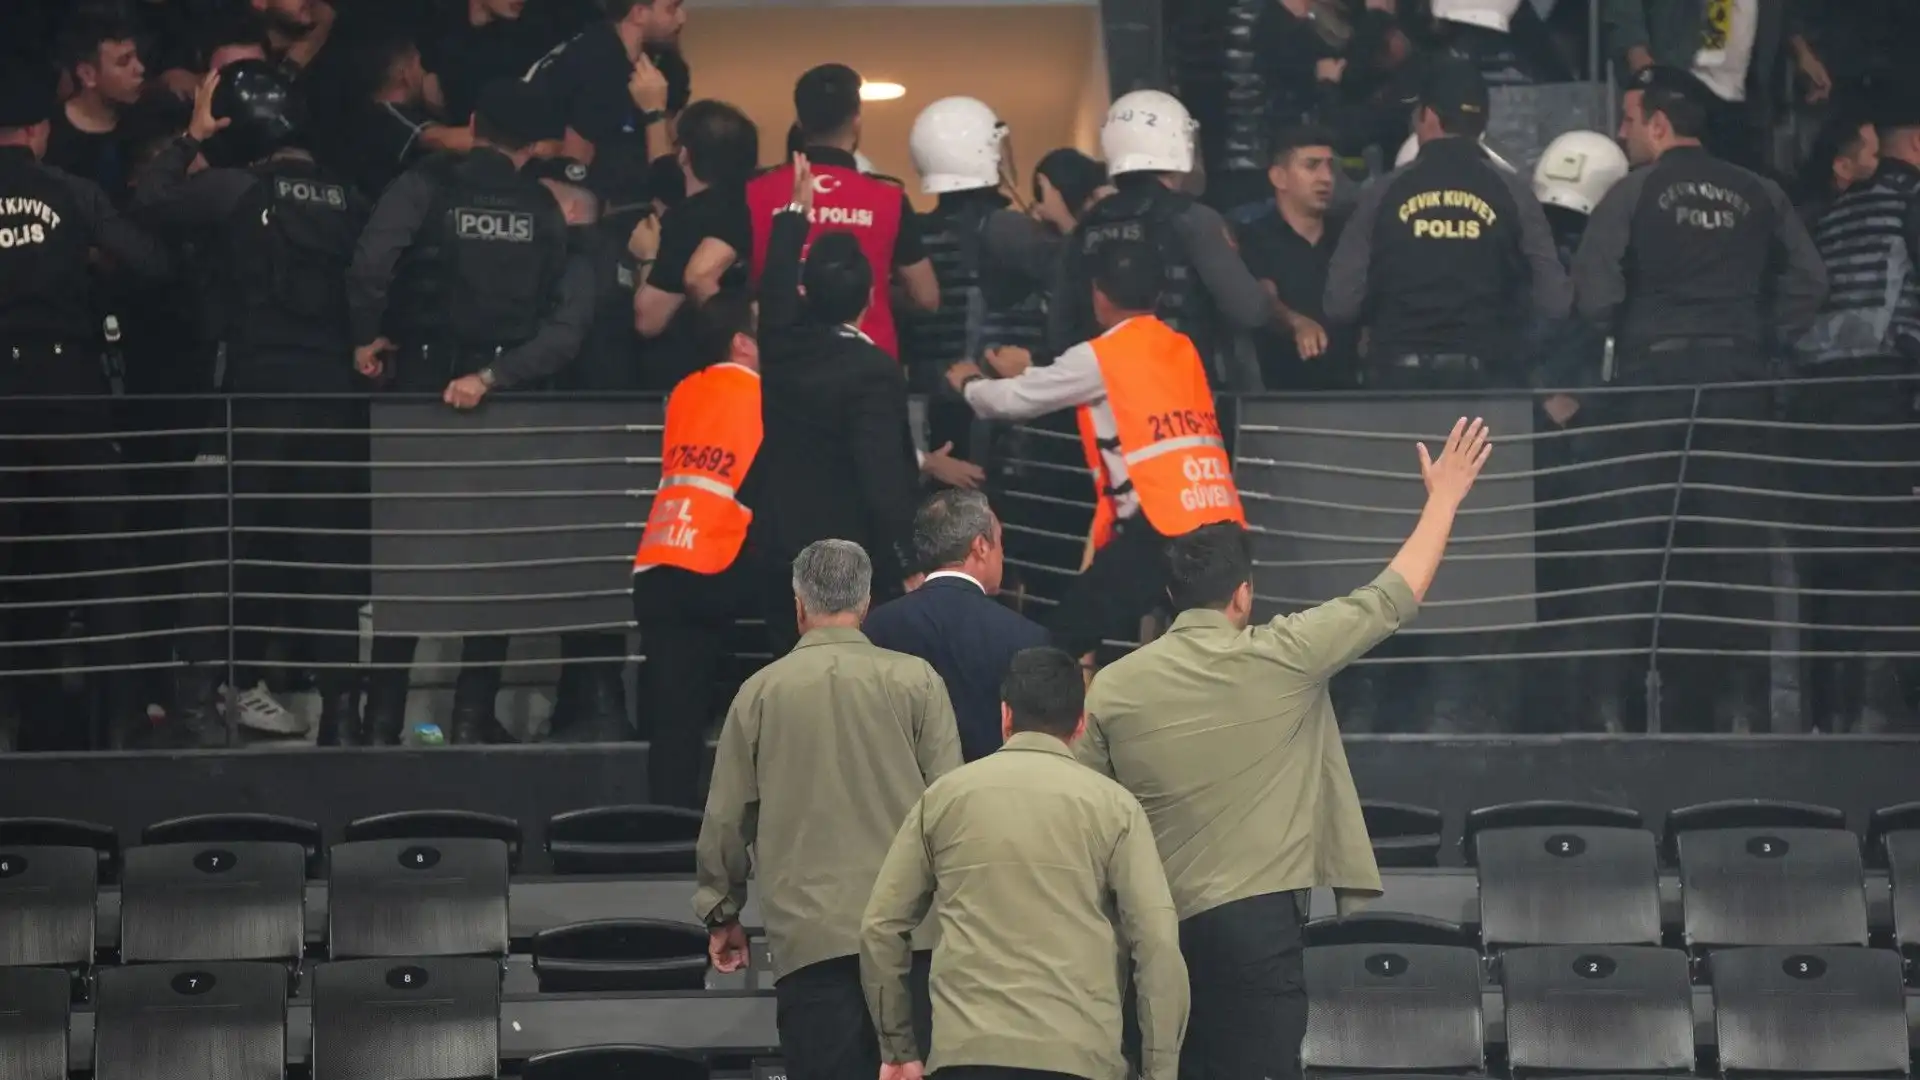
[265, 111]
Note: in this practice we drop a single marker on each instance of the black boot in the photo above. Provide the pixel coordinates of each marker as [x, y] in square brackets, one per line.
[599, 708]
[340, 721]
[386, 707]
[473, 698]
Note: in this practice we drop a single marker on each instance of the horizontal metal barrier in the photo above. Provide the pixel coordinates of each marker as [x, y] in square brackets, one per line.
[1767, 527]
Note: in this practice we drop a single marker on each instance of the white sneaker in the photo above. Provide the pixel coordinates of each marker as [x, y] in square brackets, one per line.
[258, 710]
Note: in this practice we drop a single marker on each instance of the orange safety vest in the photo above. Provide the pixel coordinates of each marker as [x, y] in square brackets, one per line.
[713, 432]
[1169, 434]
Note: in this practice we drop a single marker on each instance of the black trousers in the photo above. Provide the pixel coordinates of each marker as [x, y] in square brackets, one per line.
[826, 1032]
[1720, 537]
[686, 621]
[1249, 993]
[1859, 503]
[60, 478]
[1126, 581]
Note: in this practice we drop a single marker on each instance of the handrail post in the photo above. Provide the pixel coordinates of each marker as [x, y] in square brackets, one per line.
[233, 605]
[1666, 563]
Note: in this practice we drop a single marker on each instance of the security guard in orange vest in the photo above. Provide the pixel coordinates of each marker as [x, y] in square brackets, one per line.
[1152, 440]
[693, 574]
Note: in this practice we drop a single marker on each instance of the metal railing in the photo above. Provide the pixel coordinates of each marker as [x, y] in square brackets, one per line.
[1726, 530]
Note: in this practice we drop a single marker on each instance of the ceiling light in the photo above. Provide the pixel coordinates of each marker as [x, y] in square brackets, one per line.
[882, 91]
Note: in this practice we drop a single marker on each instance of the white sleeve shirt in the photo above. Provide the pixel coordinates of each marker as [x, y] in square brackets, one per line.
[1072, 380]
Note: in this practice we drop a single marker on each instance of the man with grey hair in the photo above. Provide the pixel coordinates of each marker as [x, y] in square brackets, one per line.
[952, 621]
[823, 753]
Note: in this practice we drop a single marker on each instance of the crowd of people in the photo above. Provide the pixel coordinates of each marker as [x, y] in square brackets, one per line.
[304, 204]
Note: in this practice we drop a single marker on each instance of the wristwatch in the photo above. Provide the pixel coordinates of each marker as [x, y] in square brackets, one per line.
[486, 377]
[649, 117]
[793, 208]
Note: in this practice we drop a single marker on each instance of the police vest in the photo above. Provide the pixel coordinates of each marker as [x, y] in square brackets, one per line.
[45, 291]
[844, 200]
[1873, 306]
[713, 432]
[1146, 213]
[953, 333]
[292, 237]
[1168, 433]
[485, 268]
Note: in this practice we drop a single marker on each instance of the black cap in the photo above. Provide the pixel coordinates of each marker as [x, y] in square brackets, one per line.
[26, 95]
[1672, 80]
[519, 112]
[1453, 87]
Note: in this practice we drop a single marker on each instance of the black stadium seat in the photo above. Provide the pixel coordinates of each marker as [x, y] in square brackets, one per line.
[1745, 814]
[1886, 821]
[61, 832]
[1598, 1009]
[213, 901]
[1763, 886]
[48, 897]
[1384, 928]
[439, 897]
[1403, 835]
[620, 955]
[439, 824]
[1397, 1008]
[234, 828]
[615, 1063]
[1543, 812]
[205, 1021]
[427, 1019]
[34, 1004]
[1809, 1011]
[1568, 884]
[623, 840]
[1903, 861]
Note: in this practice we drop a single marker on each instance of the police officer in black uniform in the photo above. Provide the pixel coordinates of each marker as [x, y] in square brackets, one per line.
[1701, 271]
[1209, 295]
[1434, 261]
[462, 285]
[284, 230]
[50, 346]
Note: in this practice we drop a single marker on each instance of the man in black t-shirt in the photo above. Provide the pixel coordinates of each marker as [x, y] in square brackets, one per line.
[1288, 251]
[608, 86]
[99, 51]
[479, 42]
[719, 149]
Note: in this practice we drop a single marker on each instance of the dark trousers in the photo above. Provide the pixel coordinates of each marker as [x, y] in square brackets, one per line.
[1249, 994]
[1718, 569]
[1853, 501]
[1126, 581]
[63, 521]
[686, 621]
[826, 1032]
[998, 1072]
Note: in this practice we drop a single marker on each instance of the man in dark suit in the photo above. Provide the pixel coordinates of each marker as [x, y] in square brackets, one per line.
[837, 454]
[952, 621]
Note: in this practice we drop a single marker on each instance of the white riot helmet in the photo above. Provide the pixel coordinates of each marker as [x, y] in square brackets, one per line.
[1148, 131]
[1489, 14]
[1578, 170]
[956, 146]
[1411, 149]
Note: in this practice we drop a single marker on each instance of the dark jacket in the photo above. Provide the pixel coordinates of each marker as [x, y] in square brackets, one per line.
[836, 459]
[969, 638]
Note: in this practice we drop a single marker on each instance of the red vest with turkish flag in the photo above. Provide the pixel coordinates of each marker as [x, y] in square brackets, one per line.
[846, 200]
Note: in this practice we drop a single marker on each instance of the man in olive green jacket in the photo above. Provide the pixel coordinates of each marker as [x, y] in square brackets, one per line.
[1227, 736]
[1047, 882]
[823, 753]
